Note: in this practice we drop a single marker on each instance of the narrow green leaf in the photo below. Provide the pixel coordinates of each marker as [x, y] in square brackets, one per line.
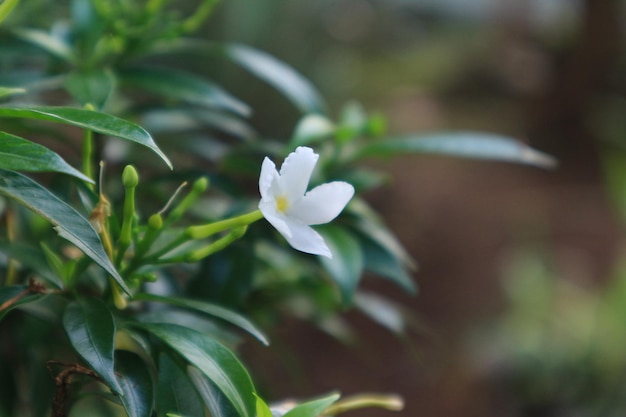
[46, 41]
[91, 87]
[19, 154]
[91, 329]
[214, 400]
[20, 296]
[99, 122]
[310, 129]
[214, 360]
[462, 144]
[262, 410]
[9, 91]
[346, 265]
[382, 311]
[279, 75]
[208, 308]
[184, 86]
[381, 261]
[136, 383]
[5, 8]
[175, 392]
[313, 408]
[367, 222]
[31, 257]
[297, 89]
[68, 223]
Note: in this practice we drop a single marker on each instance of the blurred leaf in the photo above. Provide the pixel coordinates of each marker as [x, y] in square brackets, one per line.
[19, 154]
[208, 308]
[9, 91]
[68, 223]
[313, 408]
[91, 329]
[91, 87]
[461, 144]
[185, 86]
[383, 262]
[279, 75]
[47, 42]
[31, 258]
[214, 400]
[367, 222]
[5, 8]
[310, 129]
[136, 383]
[215, 361]
[352, 123]
[175, 392]
[262, 410]
[382, 311]
[14, 292]
[346, 265]
[103, 123]
[183, 119]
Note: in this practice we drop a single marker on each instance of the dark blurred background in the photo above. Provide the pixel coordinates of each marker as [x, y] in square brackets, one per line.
[514, 261]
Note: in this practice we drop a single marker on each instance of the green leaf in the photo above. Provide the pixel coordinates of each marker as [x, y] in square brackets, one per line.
[175, 392]
[10, 91]
[19, 154]
[68, 223]
[346, 265]
[214, 400]
[136, 382]
[297, 89]
[367, 222]
[46, 41]
[313, 408]
[262, 410]
[214, 360]
[19, 293]
[381, 261]
[279, 75]
[91, 329]
[382, 311]
[32, 258]
[5, 8]
[311, 128]
[184, 86]
[208, 308]
[91, 87]
[103, 123]
[462, 144]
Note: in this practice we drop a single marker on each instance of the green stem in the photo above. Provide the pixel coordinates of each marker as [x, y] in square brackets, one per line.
[88, 152]
[206, 230]
[210, 249]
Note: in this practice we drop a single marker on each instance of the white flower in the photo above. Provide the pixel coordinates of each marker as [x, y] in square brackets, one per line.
[291, 210]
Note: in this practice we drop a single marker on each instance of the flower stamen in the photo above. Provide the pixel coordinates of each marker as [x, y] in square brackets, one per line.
[282, 204]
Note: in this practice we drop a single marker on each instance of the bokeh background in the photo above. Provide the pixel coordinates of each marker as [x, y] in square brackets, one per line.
[521, 307]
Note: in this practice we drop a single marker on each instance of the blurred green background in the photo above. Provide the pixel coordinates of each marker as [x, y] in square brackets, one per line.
[520, 308]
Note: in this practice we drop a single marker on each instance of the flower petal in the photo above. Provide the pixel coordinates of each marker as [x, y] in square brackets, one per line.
[323, 203]
[276, 219]
[296, 171]
[267, 177]
[305, 239]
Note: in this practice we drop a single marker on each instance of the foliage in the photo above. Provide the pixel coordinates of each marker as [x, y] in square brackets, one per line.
[135, 304]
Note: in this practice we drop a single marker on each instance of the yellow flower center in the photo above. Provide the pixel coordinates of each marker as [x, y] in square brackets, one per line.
[282, 204]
